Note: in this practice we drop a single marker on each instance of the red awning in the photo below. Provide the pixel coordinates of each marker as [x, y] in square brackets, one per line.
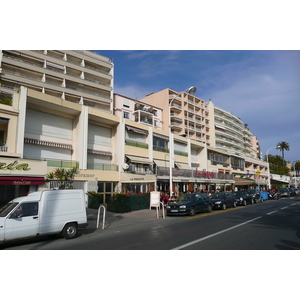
[21, 180]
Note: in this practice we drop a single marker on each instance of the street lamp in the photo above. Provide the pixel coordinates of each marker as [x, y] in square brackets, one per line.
[191, 91]
[267, 155]
[294, 175]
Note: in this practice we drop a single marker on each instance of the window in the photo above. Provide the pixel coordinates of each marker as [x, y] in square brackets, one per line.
[160, 144]
[126, 103]
[237, 163]
[26, 210]
[126, 115]
[219, 158]
[99, 135]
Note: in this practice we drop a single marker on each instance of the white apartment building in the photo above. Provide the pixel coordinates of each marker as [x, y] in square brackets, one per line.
[77, 76]
[137, 111]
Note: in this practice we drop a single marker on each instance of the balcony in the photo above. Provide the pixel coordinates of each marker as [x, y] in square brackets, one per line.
[102, 167]
[136, 144]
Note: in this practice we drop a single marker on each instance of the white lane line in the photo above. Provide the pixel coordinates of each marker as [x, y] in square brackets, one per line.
[284, 207]
[214, 234]
[272, 212]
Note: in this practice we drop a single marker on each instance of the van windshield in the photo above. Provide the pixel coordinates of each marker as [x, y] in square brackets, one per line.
[7, 208]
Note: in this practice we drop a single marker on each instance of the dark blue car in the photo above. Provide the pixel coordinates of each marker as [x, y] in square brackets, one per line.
[190, 204]
[222, 200]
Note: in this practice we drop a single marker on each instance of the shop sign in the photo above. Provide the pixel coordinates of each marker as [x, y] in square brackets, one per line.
[21, 182]
[14, 166]
[204, 174]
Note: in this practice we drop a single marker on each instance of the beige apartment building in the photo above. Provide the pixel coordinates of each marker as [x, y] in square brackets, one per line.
[77, 76]
[186, 114]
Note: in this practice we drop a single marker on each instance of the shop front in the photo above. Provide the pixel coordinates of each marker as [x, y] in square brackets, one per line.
[137, 184]
[18, 177]
[191, 180]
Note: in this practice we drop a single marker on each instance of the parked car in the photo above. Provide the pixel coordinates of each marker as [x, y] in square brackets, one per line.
[255, 195]
[222, 200]
[284, 192]
[190, 204]
[242, 198]
[297, 191]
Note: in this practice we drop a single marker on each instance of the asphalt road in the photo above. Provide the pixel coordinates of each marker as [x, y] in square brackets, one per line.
[272, 225]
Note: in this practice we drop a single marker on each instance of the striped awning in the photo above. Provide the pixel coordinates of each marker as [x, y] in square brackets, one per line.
[243, 181]
[139, 160]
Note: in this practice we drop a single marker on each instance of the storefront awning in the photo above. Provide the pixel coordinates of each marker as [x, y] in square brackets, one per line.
[183, 166]
[274, 181]
[139, 160]
[20, 180]
[162, 163]
[243, 181]
[137, 130]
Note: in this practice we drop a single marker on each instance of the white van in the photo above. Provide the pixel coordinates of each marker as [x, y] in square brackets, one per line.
[43, 213]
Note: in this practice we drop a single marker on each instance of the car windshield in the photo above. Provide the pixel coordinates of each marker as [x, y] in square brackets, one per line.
[217, 195]
[252, 191]
[186, 198]
[239, 193]
[7, 208]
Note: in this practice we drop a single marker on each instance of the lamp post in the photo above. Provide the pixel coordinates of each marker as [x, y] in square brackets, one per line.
[191, 91]
[269, 179]
[294, 163]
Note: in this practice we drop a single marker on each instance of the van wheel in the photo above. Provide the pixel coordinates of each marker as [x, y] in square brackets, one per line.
[70, 231]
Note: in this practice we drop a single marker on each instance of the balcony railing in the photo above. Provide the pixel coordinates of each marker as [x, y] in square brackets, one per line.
[56, 162]
[165, 171]
[136, 144]
[103, 167]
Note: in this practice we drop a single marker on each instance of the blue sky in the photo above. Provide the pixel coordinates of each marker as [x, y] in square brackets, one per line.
[260, 87]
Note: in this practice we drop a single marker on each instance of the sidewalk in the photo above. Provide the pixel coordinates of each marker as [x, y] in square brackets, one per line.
[119, 219]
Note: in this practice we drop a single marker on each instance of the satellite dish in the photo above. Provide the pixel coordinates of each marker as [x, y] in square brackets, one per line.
[192, 90]
[125, 167]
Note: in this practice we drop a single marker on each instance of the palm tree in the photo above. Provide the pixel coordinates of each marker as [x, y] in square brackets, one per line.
[283, 146]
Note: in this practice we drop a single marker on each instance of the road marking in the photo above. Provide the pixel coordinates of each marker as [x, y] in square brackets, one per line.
[272, 212]
[214, 234]
[284, 207]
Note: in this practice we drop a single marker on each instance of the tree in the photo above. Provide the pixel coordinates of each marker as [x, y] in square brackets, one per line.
[283, 146]
[297, 167]
[64, 178]
[275, 163]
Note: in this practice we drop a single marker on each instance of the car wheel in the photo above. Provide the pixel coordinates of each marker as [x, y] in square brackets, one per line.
[244, 202]
[192, 211]
[209, 208]
[223, 206]
[70, 231]
[234, 204]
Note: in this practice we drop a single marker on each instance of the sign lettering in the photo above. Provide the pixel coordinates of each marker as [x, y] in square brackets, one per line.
[205, 174]
[14, 166]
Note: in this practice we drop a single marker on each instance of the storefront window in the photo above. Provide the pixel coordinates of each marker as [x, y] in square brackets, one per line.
[107, 189]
